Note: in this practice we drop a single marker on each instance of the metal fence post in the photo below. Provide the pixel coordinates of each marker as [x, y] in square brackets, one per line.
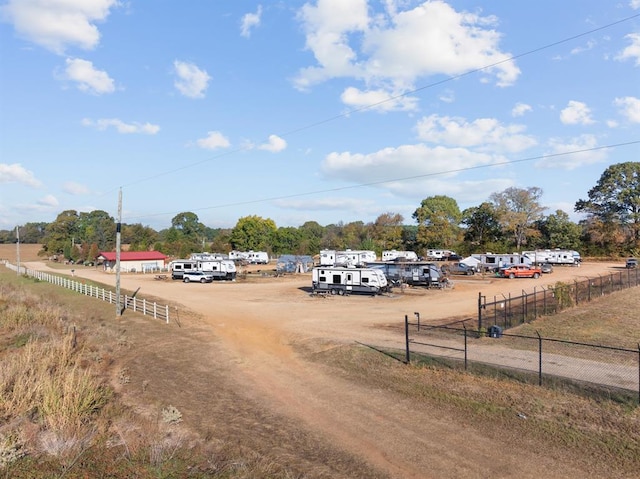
[406, 339]
[539, 359]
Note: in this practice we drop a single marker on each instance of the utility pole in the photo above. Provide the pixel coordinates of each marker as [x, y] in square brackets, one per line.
[118, 226]
[18, 249]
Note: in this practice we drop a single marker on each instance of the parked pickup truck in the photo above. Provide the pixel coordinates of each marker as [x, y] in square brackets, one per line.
[519, 271]
[458, 268]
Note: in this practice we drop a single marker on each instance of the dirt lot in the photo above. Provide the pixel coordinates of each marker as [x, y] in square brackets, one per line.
[258, 334]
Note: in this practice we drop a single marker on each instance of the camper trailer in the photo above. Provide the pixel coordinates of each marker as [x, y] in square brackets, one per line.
[257, 257]
[219, 268]
[179, 266]
[439, 254]
[346, 257]
[554, 256]
[339, 280]
[393, 255]
[495, 261]
[415, 273]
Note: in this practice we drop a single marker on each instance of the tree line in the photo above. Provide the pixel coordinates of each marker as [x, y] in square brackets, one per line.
[510, 220]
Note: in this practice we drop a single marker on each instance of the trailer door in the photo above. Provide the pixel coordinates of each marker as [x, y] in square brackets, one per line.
[349, 281]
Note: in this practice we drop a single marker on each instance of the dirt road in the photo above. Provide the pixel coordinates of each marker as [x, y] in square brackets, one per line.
[263, 323]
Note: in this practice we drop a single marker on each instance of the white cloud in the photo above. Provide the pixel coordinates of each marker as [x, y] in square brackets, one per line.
[213, 140]
[520, 109]
[391, 51]
[635, 4]
[122, 127]
[629, 107]
[576, 113]
[377, 100]
[274, 145]
[192, 81]
[88, 78]
[575, 160]
[16, 173]
[74, 188]
[485, 134]
[249, 21]
[632, 52]
[48, 200]
[56, 25]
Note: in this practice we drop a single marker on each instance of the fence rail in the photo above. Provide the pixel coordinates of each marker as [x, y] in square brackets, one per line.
[608, 367]
[143, 306]
[509, 311]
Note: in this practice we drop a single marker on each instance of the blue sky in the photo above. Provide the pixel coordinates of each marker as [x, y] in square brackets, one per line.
[325, 110]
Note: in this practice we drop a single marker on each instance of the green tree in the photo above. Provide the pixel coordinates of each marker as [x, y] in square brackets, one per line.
[253, 233]
[189, 225]
[96, 227]
[139, 237]
[286, 240]
[61, 233]
[312, 238]
[438, 219]
[483, 230]
[615, 203]
[518, 210]
[386, 232]
[558, 231]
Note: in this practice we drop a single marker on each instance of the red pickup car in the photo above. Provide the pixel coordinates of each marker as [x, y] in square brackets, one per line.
[519, 271]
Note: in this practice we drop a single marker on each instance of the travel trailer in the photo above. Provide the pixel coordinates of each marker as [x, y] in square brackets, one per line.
[554, 256]
[439, 254]
[346, 257]
[212, 264]
[339, 280]
[257, 257]
[415, 273]
[493, 262]
[179, 266]
[392, 255]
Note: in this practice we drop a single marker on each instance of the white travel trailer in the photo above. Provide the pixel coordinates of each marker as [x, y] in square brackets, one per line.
[179, 266]
[554, 256]
[493, 262]
[415, 273]
[392, 255]
[339, 280]
[219, 268]
[257, 257]
[346, 257]
[439, 254]
[238, 256]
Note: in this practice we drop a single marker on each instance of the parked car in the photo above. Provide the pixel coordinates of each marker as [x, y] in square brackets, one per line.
[546, 268]
[632, 263]
[458, 268]
[519, 271]
[197, 276]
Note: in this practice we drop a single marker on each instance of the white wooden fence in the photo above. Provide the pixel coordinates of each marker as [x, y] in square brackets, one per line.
[143, 306]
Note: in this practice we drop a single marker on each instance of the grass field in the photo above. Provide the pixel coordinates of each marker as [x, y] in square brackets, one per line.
[73, 423]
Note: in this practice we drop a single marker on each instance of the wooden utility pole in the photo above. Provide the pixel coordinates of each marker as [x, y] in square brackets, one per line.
[18, 249]
[118, 227]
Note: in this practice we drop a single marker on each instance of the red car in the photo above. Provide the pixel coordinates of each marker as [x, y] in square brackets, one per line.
[519, 271]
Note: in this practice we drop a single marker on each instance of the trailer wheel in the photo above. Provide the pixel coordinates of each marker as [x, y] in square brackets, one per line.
[333, 292]
[341, 292]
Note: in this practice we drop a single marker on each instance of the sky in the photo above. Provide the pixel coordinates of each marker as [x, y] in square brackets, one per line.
[325, 110]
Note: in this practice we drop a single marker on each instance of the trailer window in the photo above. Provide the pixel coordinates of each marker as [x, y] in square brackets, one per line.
[365, 280]
[336, 279]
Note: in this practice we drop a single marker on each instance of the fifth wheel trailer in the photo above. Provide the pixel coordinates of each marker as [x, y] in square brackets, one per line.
[337, 280]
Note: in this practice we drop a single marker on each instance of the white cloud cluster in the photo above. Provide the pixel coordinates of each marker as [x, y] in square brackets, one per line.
[249, 21]
[121, 126]
[583, 144]
[16, 173]
[391, 51]
[56, 25]
[192, 82]
[88, 78]
[483, 134]
[213, 141]
[576, 113]
[73, 188]
[632, 52]
[630, 107]
[520, 109]
[274, 145]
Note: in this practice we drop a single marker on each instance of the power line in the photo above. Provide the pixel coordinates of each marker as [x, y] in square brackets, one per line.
[406, 178]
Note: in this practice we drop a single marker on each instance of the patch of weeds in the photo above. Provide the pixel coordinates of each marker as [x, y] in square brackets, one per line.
[123, 376]
[171, 415]
[11, 449]
[21, 340]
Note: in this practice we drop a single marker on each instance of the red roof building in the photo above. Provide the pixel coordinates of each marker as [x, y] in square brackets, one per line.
[134, 261]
